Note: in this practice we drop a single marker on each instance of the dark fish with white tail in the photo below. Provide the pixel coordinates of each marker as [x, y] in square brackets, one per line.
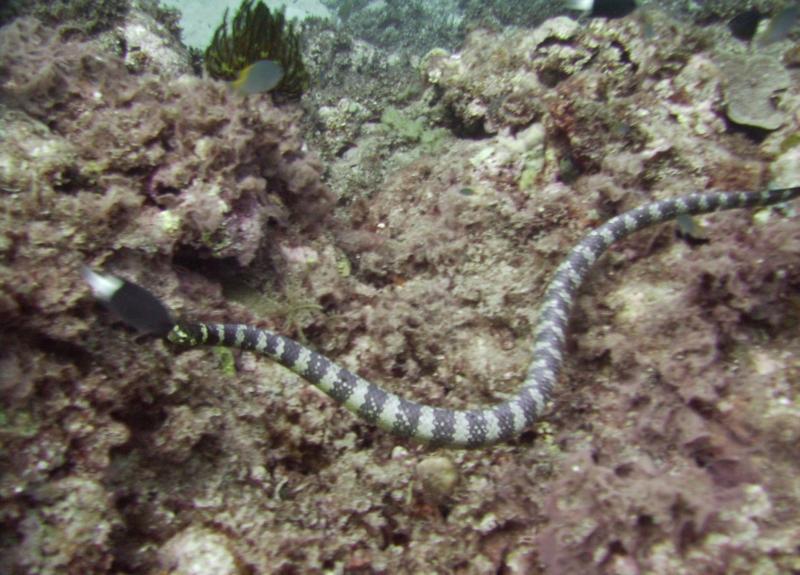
[603, 8]
[779, 26]
[745, 24]
[133, 304]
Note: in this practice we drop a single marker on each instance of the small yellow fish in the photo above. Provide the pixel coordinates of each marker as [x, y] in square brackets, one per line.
[261, 76]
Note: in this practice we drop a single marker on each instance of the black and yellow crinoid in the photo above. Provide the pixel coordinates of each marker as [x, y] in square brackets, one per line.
[257, 34]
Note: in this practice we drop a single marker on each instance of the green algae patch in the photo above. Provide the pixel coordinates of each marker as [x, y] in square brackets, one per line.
[405, 128]
[791, 141]
[18, 424]
[225, 360]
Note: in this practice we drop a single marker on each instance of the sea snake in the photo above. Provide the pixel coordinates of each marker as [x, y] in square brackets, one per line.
[435, 425]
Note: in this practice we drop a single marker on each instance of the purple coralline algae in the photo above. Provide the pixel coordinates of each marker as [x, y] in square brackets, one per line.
[181, 155]
[672, 442]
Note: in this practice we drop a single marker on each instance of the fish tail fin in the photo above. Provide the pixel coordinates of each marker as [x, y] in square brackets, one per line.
[583, 5]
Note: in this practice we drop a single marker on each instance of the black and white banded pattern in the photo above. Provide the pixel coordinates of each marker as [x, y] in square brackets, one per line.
[487, 425]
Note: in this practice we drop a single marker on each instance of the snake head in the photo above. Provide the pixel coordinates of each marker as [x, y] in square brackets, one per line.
[187, 334]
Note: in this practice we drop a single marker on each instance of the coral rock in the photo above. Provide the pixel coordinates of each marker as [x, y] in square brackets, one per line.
[751, 83]
[198, 551]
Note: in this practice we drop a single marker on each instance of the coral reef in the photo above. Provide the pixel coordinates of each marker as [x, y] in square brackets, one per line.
[90, 15]
[195, 173]
[93, 16]
[149, 40]
[715, 10]
[672, 444]
[128, 171]
[497, 13]
[411, 27]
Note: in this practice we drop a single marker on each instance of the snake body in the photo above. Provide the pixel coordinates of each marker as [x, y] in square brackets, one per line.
[495, 423]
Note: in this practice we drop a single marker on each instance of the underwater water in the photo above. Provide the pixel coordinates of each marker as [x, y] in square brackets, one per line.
[265, 274]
